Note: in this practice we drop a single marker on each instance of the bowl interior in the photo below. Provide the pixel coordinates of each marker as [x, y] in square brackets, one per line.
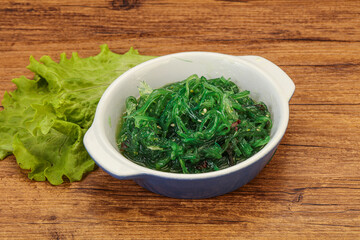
[177, 67]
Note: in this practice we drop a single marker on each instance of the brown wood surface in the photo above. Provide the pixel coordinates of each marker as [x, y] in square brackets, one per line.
[311, 188]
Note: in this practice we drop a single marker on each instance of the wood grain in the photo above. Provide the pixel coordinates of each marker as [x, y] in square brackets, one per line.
[311, 188]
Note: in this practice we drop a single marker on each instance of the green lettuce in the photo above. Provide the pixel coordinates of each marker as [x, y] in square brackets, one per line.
[44, 120]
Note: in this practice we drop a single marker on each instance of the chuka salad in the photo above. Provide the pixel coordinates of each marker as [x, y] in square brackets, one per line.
[193, 126]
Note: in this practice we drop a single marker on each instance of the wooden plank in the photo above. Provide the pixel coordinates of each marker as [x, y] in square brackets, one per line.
[309, 190]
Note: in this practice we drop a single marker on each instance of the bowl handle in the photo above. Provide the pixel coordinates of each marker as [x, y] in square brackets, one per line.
[109, 159]
[283, 81]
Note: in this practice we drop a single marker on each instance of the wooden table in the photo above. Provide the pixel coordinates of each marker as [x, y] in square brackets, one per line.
[311, 189]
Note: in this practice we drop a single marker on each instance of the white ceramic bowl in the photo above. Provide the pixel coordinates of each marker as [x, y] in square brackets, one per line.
[266, 82]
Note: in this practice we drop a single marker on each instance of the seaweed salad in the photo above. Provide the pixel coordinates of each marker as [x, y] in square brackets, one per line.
[193, 126]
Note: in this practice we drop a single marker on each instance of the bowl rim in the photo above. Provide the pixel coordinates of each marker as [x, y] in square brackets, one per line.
[100, 120]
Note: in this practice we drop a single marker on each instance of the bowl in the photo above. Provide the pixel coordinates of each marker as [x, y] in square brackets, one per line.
[266, 82]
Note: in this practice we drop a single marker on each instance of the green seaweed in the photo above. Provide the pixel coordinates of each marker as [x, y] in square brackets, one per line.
[193, 126]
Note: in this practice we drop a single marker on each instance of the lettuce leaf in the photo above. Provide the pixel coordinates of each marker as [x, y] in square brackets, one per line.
[44, 120]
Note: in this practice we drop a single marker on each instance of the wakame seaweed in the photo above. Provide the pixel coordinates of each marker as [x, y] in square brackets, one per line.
[193, 126]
